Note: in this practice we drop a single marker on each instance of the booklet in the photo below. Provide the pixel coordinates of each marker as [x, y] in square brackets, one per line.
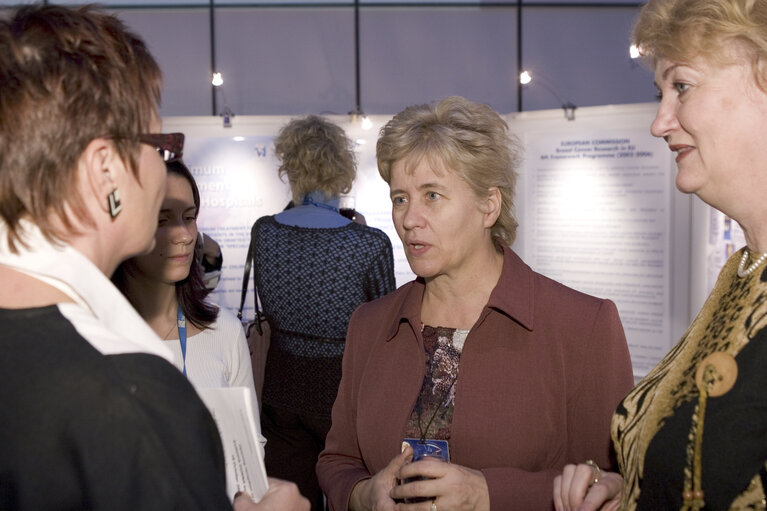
[233, 412]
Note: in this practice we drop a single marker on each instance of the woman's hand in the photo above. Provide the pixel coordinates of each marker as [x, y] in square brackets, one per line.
[374, 494]
[281, 496]
[575, 489]
[448, 486]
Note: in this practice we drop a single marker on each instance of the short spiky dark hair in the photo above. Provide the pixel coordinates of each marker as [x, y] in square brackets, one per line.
[67, 76]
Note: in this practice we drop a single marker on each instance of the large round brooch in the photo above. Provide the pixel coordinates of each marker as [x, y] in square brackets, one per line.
[717, 374]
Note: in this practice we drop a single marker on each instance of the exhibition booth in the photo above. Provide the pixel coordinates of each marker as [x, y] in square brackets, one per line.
[595, 200]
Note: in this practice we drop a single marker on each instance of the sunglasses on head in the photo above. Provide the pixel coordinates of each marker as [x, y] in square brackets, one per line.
[170, 146]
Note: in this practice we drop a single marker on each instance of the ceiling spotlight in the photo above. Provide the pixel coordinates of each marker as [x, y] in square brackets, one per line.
[218, 80]
[634, 52]
[525, 77]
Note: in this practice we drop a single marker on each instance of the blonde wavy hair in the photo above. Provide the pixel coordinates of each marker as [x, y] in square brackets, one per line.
[315, 155]
[681, 30]
[468, 138]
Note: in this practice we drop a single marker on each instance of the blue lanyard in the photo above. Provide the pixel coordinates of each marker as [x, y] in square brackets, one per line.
[181, 322]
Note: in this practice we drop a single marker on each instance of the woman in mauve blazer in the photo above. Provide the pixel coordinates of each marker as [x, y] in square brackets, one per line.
[479, 351]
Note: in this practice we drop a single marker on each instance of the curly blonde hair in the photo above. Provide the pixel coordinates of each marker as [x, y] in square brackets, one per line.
[315, 155]
[681, 30]
[469, 138]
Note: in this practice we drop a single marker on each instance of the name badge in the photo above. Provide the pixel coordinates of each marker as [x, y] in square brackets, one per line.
[421, 449]
[429, 447]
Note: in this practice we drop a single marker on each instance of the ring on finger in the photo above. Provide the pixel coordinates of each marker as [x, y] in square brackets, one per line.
[433, 505]
[596, 472]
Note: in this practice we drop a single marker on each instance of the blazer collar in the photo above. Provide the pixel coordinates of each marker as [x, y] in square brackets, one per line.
[514, 296]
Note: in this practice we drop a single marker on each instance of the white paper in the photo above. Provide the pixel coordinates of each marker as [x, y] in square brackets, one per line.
[233, 412]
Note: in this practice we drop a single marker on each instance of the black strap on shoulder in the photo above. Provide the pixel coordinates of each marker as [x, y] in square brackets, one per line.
[246, 279]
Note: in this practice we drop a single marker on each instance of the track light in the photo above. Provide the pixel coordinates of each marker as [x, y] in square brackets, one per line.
[358, 116]
[527, 77]
[226, 113]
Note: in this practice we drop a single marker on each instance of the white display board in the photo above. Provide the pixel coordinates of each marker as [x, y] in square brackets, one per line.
[715, 237]
[597, 215]
[595, 200]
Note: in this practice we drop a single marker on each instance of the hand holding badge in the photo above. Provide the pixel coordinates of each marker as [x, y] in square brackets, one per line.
[424, 448]
[434, 403]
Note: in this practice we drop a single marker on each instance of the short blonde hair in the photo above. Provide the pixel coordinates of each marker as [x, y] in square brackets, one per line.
[469, 138]
[681, 30]
[315, 155]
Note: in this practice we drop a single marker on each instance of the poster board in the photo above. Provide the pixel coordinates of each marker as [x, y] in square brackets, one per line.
[598, 214]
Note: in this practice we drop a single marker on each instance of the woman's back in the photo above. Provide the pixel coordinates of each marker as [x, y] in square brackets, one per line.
[310, 280]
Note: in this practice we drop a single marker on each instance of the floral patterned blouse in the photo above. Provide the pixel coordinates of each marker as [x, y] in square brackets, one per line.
[433, 411]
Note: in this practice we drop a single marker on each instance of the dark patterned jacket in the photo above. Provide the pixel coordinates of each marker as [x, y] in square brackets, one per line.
[309, 281]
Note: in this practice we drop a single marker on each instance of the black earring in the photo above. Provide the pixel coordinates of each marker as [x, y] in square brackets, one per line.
[113, 200]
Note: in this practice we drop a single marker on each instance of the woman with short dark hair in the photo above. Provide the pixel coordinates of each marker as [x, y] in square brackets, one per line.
[93, 415]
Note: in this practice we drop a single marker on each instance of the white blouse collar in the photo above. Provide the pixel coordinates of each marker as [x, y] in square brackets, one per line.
[74, 274]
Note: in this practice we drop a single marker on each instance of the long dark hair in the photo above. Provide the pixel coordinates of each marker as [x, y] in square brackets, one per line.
[190, 292]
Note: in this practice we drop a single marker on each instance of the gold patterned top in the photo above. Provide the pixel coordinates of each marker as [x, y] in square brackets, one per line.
[651, 426]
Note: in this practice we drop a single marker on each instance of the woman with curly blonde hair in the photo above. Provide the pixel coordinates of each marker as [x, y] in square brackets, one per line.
[312, 267]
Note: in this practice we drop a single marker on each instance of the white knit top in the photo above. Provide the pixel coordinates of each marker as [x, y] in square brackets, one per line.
[219, 357]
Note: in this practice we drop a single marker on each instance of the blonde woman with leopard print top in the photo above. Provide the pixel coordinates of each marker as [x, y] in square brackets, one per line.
[693, 433]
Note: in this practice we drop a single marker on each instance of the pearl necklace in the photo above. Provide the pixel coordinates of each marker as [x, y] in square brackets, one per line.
[742, 270]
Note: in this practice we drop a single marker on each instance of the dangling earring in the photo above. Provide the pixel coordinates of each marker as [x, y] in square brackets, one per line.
[113, 199]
